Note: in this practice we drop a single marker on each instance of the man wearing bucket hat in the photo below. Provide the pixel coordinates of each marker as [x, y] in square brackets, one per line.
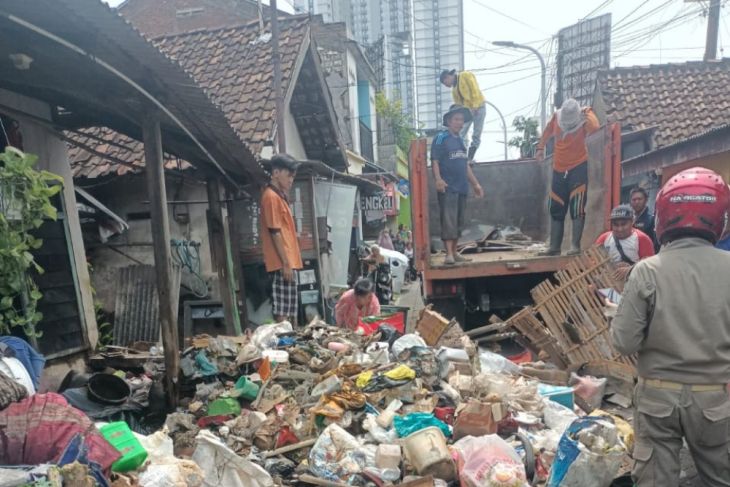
[675, 316]
[625, 244]
[568, 127]
[453, 176]
[466, 92]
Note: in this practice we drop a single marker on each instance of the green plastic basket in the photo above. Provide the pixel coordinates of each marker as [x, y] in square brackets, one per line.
[122, 438]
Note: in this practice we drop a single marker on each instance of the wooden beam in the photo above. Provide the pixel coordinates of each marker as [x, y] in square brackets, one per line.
[237, 264]
[220, 257]
[154, 173]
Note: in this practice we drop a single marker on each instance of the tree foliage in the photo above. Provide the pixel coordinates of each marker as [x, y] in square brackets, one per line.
[396, 120]
[527, 142]
[25, 201]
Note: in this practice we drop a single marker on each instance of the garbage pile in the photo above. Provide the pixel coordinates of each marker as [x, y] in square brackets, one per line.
[327, 406]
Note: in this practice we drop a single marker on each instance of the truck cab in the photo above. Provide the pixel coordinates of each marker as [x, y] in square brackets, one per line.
[498, 279]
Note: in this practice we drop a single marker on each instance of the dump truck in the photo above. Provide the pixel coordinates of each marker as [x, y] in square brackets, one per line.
[499, 277]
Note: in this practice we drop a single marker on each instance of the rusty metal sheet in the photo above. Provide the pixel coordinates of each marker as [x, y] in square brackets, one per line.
[136, 312]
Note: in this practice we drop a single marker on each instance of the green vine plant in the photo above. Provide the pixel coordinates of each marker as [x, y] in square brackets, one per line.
[25, 201]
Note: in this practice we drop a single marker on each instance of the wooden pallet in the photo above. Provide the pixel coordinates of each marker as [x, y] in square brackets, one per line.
[567, 320]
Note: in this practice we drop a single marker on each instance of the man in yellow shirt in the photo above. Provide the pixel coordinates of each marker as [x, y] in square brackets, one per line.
[466, 92]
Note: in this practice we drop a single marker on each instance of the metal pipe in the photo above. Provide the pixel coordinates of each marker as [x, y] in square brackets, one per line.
[543, 75]
[504, 127]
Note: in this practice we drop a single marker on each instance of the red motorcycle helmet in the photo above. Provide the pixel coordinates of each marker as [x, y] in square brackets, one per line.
[695, 201]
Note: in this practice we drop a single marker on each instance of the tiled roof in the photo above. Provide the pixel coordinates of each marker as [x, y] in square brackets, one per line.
[122, 154]
[233, 66]
[680, 100]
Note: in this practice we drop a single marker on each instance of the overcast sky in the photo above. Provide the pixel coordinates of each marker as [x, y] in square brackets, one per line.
[645, 32]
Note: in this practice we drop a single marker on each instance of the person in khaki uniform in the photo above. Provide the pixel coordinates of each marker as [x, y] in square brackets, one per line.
[675, 314]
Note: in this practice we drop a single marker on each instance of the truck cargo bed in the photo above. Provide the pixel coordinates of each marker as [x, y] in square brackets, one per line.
[495, 263]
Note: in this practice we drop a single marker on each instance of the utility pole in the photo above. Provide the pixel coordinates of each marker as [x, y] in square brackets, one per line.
[543, 75]
[504, 127]
[275, 59]
[713, 25]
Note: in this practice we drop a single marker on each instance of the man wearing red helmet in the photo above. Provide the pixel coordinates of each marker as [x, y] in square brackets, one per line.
[625, 244]
[675, 314]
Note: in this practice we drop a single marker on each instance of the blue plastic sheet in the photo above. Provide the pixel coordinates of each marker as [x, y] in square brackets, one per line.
[410, 423]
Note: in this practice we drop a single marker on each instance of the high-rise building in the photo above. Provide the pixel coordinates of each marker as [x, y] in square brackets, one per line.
[388, 24]
[330, 10]
[439, 44]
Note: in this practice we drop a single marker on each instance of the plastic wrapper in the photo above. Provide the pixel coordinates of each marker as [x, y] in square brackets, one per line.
[496, 364]
[337, 454]
[410, 423]
[266, 336]
[489, 461]
[589, 454]
[379, 434]
[405, 342]
[557, 417]
[222, 466]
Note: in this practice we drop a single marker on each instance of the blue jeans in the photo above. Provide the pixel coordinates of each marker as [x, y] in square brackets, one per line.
[478, 122]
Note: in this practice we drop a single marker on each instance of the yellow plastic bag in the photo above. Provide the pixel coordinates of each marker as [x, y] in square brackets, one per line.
[363, 379]
[402, 372]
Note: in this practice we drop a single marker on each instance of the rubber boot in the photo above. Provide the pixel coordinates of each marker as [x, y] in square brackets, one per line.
[557, 227]
[576, 235]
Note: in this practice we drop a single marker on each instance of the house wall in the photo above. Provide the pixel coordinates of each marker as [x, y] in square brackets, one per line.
[128, 198]
[354, 112]
[720, 163]
[294, 145]
[51, 152]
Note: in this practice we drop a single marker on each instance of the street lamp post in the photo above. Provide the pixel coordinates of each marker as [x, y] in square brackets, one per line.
[543, 94]
[504, 126]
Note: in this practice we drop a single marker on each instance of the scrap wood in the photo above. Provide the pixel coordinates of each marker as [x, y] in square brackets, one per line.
[202, 341]
[567, 320]
[290, 448]
[311, 479]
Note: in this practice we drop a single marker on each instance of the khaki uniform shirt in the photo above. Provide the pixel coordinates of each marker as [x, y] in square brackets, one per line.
[675, 313]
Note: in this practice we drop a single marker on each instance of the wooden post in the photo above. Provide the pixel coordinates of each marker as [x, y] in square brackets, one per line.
[220, 257]
[154, 173]
[237, 263]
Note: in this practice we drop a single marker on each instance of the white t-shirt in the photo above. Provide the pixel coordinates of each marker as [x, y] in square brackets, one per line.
[629, 245]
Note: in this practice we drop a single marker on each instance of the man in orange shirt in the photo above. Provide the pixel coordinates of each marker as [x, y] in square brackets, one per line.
[569, 127]
[282, 256]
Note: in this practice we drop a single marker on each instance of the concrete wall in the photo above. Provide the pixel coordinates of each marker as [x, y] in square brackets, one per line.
[51, 152]
[720, 163]
[127, 197]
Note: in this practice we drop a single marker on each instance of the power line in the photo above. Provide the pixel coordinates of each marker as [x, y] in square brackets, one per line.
[606, 2]
[630, 14]
[506, 15]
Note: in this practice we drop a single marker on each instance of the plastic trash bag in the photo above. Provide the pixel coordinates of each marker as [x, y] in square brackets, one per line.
[589, 454]
[222, 466]
[265, 336]
[489, 461]
[337, 454]
[410, 423]
[496, 364]
[401, 372]
[178, 473]
[557, 417]
[590, 389]
[405, 342]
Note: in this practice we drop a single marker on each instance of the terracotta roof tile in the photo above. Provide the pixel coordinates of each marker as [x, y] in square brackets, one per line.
[681, 100]
[232, 65]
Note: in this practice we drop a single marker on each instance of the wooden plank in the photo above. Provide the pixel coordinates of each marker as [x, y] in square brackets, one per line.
[218, 249]
[157, 195]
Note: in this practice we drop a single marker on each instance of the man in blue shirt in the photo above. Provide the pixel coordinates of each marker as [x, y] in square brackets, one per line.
[453, 176]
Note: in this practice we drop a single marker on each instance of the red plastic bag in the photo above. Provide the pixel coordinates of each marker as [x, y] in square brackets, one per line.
[370, 324]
